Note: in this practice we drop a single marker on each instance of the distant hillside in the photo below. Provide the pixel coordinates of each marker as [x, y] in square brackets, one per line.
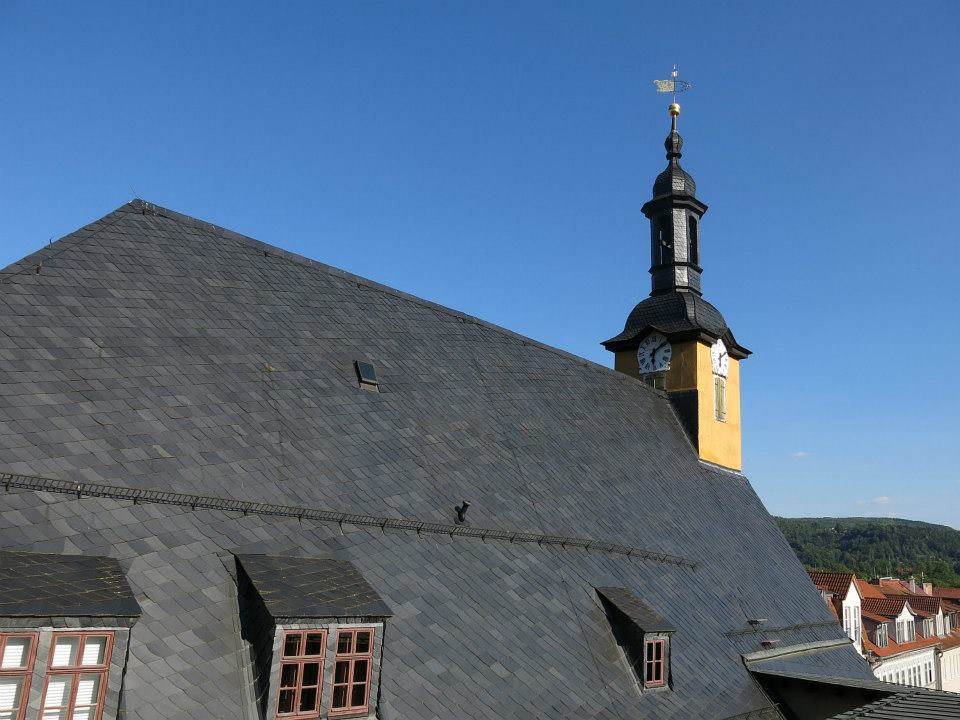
[874, 547]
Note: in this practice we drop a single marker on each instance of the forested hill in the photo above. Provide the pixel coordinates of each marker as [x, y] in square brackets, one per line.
[875, 547]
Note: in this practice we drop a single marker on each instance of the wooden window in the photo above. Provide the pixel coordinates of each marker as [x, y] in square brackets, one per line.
[17, 653]
[654, 663]
[351, 672]
[720, 398]
[76, 678]
[301, 674]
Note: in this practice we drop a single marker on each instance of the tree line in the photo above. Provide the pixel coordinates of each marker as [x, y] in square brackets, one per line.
[877, 547]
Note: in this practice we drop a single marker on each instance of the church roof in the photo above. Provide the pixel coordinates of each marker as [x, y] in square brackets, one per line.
[174, 395]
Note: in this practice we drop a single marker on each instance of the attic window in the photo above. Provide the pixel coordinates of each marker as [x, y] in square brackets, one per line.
[17, 653]
[882, 635]
[367, 375]
[77, 676]
[654, 663]
[351, 672]
[301, 673]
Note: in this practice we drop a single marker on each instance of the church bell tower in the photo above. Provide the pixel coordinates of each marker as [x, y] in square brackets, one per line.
[674, 339]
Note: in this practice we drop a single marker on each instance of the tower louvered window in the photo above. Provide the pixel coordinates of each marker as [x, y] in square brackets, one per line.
[720, 398]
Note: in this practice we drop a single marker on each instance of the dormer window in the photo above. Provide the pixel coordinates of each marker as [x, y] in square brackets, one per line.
[643, 636]
[316, 631]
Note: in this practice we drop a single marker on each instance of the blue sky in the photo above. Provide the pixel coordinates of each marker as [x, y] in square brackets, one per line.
[493, 157]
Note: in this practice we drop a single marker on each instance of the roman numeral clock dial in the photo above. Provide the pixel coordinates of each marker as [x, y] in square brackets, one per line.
[654, 353]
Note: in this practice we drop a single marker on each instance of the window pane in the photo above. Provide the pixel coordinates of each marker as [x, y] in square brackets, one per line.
[88, 689]
[94, 650]
[314, 644]
[360, 670]
[286, 701]
[58, 690]
[10, 689]
[54, 714]
[15, 653]
[311, 674]
[649, 652]
[84, 713]
[288, 675]
[342, 672]
[308, 699]
[345, 642]
[363, 642]
[65, 651]
[340, 696]
[291, 646]
[359, 695]
[658, 647]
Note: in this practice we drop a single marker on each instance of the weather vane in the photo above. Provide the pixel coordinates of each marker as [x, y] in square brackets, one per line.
[674, 85]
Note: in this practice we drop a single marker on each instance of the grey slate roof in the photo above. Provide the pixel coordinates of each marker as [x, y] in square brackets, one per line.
[293, 587]
[43, 584]
[157, 352]
[912, 704]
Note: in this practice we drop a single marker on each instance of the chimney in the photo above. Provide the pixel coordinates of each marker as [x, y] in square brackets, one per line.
[913, 584]
[928, 588]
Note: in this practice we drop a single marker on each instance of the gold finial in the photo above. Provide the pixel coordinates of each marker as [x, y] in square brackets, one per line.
[674, 85]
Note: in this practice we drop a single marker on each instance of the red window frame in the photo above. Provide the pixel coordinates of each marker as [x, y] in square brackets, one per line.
[76, 669]
[654, 663]
[23, 671]
[300, 660]
[346, 662]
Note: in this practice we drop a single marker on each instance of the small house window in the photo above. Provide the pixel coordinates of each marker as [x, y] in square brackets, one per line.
[882, 635]
[301, 674]
[77, 675]
[720, 398]
[694, 240]
[351, 672]
[654, 663]
[17, 652]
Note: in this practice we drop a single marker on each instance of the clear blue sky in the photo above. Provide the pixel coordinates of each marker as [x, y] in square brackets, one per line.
[493, 157]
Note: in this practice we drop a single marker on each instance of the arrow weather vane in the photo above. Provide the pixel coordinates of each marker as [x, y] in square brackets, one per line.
[673, 85]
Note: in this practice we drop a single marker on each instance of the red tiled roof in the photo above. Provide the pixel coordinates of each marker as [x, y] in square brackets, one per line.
[895, 648]
[888, 607]
[894, 586]
[873, 616]
[947, 592]
[924, 603]
[835, 582]
[951, 641]
[868, 590]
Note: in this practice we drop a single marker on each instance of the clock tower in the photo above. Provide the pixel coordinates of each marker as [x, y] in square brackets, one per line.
[674, 339]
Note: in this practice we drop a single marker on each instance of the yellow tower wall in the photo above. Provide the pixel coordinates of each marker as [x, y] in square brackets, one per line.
[691, 369]
[718, 441]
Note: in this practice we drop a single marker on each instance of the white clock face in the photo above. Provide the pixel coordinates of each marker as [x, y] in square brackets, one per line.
[654, 353]
[721, 361]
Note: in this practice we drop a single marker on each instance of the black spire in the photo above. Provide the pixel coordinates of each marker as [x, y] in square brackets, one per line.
[674, 214]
